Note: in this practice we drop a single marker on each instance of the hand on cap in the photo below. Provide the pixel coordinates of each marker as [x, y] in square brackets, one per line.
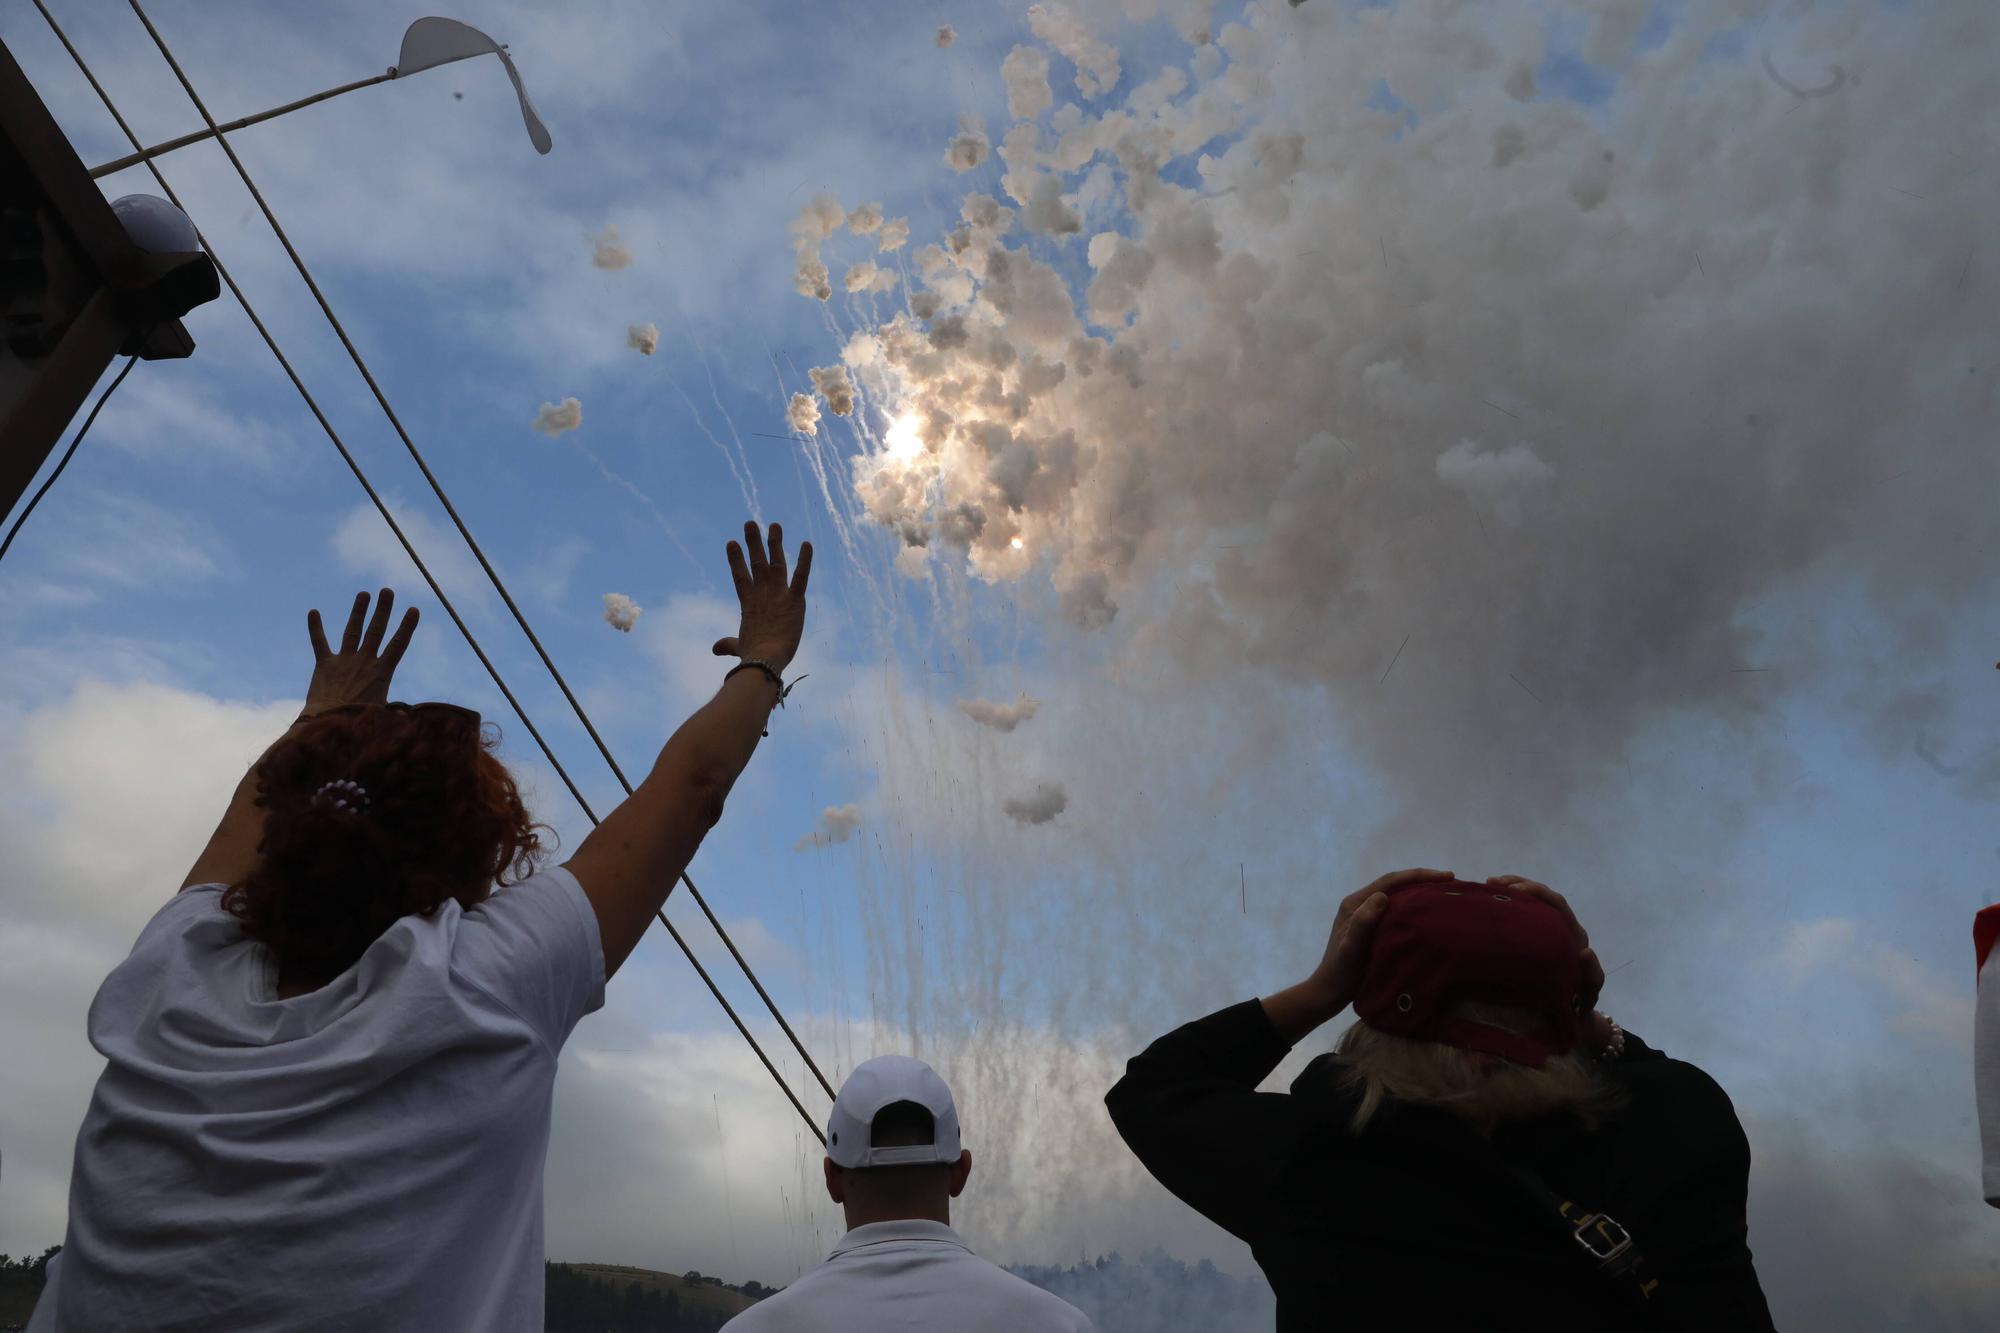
[1593, 971]
[1337, 979]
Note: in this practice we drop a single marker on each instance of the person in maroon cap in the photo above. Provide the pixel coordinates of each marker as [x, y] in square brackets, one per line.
[1482, 1145]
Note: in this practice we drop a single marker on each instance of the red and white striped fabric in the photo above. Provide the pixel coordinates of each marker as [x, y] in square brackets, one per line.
[1986, 1046]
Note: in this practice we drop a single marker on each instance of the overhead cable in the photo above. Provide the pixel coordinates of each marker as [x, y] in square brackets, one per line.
[422, 568]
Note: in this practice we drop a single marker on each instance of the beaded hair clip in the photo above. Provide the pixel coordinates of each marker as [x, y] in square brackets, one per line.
[344, 794]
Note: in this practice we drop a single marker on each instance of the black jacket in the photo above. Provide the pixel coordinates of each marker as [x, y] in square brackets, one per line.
[1414, 1222]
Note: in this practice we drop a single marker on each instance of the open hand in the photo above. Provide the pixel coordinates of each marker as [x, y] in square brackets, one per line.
[360, 672]
[774, 608]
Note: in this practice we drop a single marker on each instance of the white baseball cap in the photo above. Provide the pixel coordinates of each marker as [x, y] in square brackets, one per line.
[884, 1081]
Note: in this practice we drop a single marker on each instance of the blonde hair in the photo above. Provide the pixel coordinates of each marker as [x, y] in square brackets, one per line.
[1472, 1085]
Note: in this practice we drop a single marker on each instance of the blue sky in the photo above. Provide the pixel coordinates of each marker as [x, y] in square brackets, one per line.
[1787, 846]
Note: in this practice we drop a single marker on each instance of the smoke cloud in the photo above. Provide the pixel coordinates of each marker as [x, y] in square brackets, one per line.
[837, 824]
[1039, 806]
[552, 420]
[645, 338]
[969, 147]
[946, 35]
[1000, 717]
[802, 414]
[834, 385]
[607, 251]
[620, 612]
[1468, 472]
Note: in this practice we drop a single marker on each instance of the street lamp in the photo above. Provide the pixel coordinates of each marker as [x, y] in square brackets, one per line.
[428, 43]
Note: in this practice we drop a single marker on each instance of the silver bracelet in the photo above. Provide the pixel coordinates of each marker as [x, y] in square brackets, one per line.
[769, 670]
[1616, 1049]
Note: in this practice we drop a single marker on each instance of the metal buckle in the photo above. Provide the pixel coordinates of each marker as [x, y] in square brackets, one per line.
[1603, 1227]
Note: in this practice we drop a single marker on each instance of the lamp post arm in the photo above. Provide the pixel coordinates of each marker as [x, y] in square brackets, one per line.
[133, 159]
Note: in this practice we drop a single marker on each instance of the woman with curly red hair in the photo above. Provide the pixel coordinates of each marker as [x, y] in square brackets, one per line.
[329, 1060]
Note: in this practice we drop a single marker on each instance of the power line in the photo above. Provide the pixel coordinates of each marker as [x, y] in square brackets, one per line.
[68, 453]
[437, 489]
[410, 550]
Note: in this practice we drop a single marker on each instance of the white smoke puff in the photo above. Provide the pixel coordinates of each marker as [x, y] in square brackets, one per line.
[812, 279]
[1025, 71]
[925, 304]
[802, 414]
[644, 337]
[1000, 717]
[946, 35]
[553, 420]
[868, 276]
[835, 387]
[969, 146]
[865, 219]
[1497, 477]
[837, 824]
[1122, 269]
[607, 251]
[1096, 60]
[1593, 182]
[893, 234]
[1039, 806]
[1047, 213]
[817, 221]
[621, 612]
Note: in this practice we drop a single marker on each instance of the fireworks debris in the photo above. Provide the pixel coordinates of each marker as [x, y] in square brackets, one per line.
[607, 251]
[1039, 806]
[837, 823]
[644, 337]
[1838, 81]
[553, 420]
[1397, 658]
[621, 612]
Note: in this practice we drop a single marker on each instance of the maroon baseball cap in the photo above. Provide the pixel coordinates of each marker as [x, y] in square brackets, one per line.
[1449, 940]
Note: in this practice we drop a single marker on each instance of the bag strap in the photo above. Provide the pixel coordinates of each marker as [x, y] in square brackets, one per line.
[1608, 1246]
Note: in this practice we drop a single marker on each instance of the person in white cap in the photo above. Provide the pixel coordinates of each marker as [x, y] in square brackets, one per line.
[894, 1164]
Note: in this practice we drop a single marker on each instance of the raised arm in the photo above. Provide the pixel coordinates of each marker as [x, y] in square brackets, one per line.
[630, 863]
[359, 673]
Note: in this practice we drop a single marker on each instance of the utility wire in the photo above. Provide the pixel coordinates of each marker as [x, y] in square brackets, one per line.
[68, 453]
[437, 489]
[417, 560]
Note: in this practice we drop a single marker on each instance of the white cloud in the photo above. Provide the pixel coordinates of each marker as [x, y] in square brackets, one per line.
[837, 824]
[553, 419]
[643, 338]
[122, 541]
[365, 545]
[1924, 1002]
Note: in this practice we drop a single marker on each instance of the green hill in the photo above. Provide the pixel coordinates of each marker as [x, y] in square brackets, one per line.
[693, 1291]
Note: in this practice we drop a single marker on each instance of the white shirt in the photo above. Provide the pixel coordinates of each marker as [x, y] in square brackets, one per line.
[910, 1274]
[364, 1156]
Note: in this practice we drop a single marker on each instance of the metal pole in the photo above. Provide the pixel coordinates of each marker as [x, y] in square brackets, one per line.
[144, 154]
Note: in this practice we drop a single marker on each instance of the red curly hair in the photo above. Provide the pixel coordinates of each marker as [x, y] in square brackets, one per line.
[442, 820]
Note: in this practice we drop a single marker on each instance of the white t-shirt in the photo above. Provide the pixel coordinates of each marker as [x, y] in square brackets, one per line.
[364, 1156]
[911, 1274]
